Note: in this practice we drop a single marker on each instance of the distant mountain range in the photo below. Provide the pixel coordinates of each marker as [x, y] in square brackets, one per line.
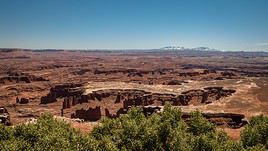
[183, 48]
[167, 48]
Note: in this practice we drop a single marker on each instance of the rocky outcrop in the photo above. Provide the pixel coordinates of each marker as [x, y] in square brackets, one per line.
[231, 120]
[206, 71]
[91, 114]
[110, 115]
[228, 74]
[175, 82]
[70, 101]
[101, 94]
[133, 72]
[81, 71]
[188, 74]
[60, 91]
[118, 98]
[134, 97]
[4, 116]
[148, 110]
[141, 99]
[114, 71]
[191, 74]
[206, 96]
[22, 100]
[16, 77]
[118, 113]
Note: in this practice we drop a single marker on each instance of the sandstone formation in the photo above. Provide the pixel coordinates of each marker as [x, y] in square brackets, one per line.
[60, 91]
[4, 116]
[70, 101]
[228, 74]
[118, 113]
[88, 115]
[149, 101]
[134, 72]
[22, 100]
[133, 97]
[207, 95]
[174, 82]
[81, 71]
[17, 77]
[231, 120]
[191, 74]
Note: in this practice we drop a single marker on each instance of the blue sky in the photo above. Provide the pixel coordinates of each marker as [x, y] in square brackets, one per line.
[120, 24]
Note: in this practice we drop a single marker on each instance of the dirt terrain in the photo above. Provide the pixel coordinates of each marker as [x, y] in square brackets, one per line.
[84, 86]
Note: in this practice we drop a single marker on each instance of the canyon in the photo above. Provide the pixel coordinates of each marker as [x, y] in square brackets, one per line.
[227, 87]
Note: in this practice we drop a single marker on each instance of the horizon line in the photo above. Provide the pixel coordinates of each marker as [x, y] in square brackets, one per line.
[127, 49]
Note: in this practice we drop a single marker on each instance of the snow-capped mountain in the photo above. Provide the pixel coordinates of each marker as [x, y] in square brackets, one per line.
[183, 48]
[204, 49]
[173, 48]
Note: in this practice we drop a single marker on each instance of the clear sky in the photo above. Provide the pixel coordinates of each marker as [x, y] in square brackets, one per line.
[92, 24]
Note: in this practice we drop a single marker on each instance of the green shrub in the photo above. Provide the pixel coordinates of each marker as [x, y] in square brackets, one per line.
[199, 125]
[5, 133]
[258, 147]
[256, 132]
[47, 134]
[133, 131]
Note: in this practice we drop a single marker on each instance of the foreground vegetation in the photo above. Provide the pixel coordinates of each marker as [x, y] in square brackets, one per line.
[134, 131]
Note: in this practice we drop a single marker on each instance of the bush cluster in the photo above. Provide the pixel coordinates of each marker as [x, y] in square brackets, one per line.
[133, 131]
